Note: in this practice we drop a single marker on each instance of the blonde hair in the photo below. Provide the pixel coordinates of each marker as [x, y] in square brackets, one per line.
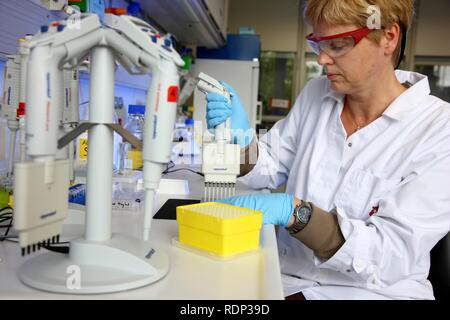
[355, 12]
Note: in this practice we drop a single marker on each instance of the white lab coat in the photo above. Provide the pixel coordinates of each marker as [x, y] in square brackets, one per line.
[399, 163]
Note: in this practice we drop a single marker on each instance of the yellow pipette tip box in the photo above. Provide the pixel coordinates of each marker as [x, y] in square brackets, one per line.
[221, 229]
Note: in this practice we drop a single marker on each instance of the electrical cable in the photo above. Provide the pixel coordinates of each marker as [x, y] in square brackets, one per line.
[11, 240]
[2, 238]
[8, 227]
[170, 165]
[6, 215]
[6, 208]
[185, 169]
[4, 219]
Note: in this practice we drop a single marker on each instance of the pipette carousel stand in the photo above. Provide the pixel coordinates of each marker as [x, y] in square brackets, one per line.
[100, 262]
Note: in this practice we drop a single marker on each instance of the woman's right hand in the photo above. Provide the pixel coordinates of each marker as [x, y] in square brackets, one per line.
[218, 109]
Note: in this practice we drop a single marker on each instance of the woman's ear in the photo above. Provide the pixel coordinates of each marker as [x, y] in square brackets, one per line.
[391, 38]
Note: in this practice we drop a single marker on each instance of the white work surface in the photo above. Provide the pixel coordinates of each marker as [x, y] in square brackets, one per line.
[191, 276]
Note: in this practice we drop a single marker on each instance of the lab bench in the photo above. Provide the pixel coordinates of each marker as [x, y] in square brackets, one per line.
[255, 275]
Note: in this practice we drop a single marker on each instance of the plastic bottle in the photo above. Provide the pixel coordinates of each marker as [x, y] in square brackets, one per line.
[193, 148]
[180, 128]
[128, 196]
[189, 123]
[130, 158]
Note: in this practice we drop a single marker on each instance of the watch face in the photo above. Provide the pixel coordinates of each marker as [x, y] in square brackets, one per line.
[303, 214]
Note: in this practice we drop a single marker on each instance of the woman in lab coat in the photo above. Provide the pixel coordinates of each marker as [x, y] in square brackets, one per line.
[365, 155]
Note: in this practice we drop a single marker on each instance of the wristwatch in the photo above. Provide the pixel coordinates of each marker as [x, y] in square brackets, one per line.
[302, 214]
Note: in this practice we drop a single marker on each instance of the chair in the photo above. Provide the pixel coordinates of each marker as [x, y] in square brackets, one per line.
[440, 269]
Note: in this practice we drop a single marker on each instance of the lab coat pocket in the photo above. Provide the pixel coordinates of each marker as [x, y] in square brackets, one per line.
[365, 190]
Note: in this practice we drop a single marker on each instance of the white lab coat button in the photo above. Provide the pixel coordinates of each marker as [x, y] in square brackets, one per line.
[359, 265]
[284, 252]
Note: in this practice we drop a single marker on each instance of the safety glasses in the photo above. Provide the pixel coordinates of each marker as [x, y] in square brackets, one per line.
[338, 44]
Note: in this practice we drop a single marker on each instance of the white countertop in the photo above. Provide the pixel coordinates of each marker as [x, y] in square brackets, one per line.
[255, 275]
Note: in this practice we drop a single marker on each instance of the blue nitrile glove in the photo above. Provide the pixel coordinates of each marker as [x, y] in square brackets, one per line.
[277, 208]
[218, 109]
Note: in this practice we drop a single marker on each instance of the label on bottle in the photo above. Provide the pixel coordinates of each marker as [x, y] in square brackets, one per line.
[126, 204]
[134, 159]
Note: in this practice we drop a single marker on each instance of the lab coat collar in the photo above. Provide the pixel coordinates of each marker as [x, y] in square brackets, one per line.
[411, 99]
[406, 103]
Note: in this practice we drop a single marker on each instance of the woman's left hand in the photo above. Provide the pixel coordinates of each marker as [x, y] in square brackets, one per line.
[277, 208]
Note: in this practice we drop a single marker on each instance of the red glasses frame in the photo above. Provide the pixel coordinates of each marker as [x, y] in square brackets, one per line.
[357, 35]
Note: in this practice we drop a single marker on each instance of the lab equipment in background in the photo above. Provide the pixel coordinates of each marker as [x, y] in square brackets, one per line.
[134, 8]
[222, 231]
[220, 158]
[8, 108]
[189, 127]
[92, 6]
[41, 184]
[54, 4]
[184, 140]
[77, 194]
[180, 133]
[81, 157]
[82, 148]
[119, 110]
[190, 146]
[128, 191]
[244, 47]
[128, 196]
[6, 195]
[187, 90]
[130, 157]
[12, 108]
[4, 198]
[187, 56]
